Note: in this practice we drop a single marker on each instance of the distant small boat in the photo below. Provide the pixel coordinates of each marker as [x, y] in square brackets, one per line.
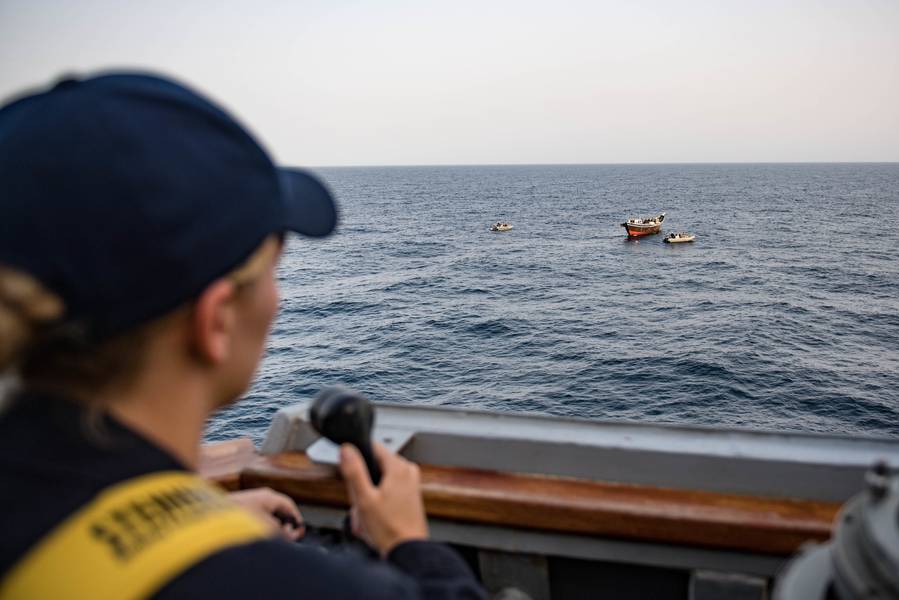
[500, 227]
[679, 238]
[641, 227]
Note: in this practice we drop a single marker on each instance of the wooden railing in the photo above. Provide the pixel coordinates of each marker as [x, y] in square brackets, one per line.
[696, 518]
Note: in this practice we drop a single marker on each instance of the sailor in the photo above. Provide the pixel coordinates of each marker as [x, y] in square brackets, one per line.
[141, 230]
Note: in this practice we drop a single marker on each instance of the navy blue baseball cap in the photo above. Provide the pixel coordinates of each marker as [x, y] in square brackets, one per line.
[128, 193]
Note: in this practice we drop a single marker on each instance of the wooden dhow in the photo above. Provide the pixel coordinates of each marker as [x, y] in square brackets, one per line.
[641, 227]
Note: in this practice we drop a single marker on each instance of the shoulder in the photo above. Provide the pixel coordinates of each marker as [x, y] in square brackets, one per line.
[56, 461]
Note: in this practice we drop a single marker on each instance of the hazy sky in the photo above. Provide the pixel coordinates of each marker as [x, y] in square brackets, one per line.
[459, 82]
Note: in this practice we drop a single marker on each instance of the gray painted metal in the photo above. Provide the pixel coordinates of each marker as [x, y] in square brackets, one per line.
[712, 585]
[862, 558]
[807, 577]
[824, 467]
[327, 452]
[502, 572]
[519, 541]
[865, 546]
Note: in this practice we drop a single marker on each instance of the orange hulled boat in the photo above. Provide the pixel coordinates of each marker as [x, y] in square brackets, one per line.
[641, 227]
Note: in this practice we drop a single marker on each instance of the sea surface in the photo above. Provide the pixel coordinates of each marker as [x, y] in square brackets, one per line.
[782, 315]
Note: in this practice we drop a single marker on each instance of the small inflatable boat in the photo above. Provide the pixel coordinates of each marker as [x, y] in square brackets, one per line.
[679, 238]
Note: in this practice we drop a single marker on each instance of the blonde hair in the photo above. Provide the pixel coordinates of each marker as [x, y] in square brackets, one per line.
[252, 268]
[43, 357]
[26, 306]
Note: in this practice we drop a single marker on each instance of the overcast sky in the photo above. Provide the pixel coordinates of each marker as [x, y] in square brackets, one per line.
[394, 82]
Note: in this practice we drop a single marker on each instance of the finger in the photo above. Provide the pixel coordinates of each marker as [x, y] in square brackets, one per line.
[355, 473]
[391, 463]
[272, 523]
[355, 523]
[384, 456]
[292, 533]
[277, 502]
[357, 526]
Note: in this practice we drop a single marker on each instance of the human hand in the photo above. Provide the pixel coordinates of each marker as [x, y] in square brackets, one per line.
[266, 503]
[392, 512]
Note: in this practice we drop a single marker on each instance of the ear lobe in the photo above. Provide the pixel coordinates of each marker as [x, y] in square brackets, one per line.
[212, 322]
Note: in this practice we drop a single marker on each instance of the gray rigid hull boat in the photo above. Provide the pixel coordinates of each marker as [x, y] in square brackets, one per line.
[679, 238]
[565, 508]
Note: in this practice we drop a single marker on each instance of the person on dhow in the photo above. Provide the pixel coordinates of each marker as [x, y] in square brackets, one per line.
[140, 228]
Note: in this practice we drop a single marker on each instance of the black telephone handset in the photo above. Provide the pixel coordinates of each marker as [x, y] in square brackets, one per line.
[346, 416]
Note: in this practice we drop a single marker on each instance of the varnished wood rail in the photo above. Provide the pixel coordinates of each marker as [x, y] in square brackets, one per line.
[222, 462]
[686, 517]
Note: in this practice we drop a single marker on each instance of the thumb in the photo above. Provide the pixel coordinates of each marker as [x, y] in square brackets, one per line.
[354, 472]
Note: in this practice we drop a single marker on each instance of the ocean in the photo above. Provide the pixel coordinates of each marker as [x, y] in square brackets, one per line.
[782, 315]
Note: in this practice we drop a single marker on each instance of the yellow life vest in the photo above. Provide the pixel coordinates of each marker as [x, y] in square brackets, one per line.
[131, 540]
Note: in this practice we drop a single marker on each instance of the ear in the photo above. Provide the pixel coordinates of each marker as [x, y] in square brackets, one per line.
[212, 322]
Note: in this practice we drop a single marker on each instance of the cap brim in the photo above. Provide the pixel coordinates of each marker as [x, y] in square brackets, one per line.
[308, 204]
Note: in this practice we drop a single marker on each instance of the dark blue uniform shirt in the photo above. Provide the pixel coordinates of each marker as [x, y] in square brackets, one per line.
[54, 458]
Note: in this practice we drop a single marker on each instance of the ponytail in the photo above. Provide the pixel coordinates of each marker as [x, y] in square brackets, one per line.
[26, 307]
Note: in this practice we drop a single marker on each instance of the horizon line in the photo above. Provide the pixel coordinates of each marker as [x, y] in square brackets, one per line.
[600, 164]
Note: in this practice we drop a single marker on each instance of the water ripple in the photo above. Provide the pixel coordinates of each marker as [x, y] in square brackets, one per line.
[783, 314]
